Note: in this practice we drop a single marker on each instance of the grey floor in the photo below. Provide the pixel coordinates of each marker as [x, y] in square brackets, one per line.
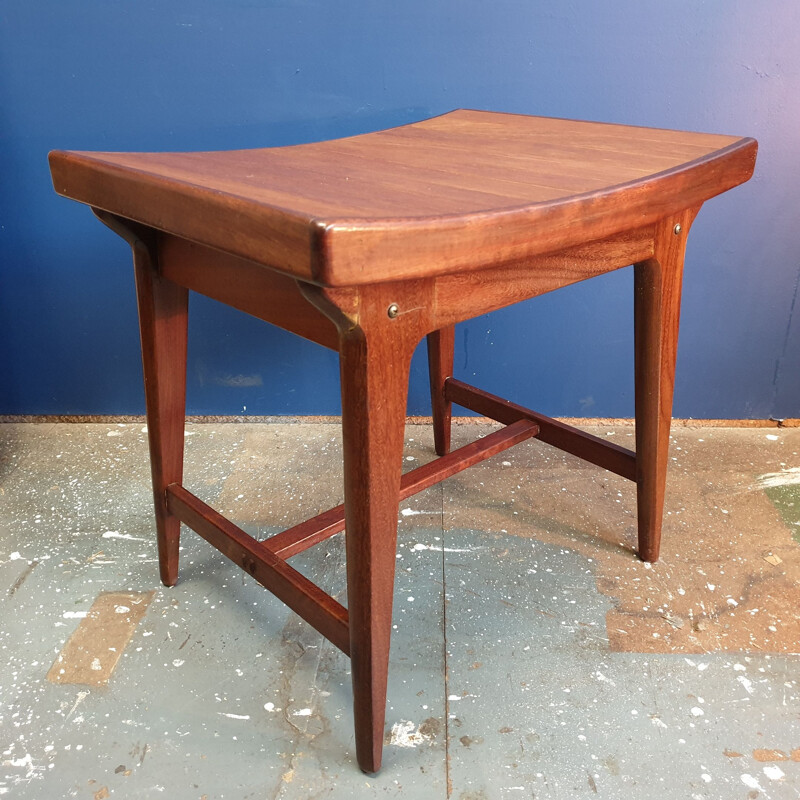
[533, 656]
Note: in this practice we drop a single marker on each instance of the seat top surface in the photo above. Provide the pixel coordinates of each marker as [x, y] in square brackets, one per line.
[463, 190]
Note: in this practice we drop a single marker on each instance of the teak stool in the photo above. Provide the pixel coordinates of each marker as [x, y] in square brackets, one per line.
[367, 244]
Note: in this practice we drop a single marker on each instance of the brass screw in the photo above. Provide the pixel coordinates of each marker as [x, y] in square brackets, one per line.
[393, 311]
[677, 229]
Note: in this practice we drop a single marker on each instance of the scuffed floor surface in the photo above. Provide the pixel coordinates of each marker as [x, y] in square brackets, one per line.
[533, 655]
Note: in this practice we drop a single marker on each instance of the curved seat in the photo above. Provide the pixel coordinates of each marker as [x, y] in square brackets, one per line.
[460, 191]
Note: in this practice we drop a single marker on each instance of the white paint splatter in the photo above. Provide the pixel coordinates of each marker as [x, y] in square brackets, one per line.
[27, 762]
[406, 734]
[96, 665]
[786, 477]
[419, 546]
[772, 437]
[269, 706]
[121, 609]
[774, 772]
[599, 675]
[303, 712]
[409, 512]
[749, 781]
[748, 686]
[118, 535]
[81, 697]
[74, 614]
[233, 716]
[178, 662]
[697, 712]
[15, 556]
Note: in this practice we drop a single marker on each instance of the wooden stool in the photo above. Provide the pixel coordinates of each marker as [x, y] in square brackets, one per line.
[367, 244]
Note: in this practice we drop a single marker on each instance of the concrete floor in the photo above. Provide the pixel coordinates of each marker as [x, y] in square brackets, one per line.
[533, 655]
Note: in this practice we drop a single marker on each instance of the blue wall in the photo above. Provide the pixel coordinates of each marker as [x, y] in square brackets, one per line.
[206, 74]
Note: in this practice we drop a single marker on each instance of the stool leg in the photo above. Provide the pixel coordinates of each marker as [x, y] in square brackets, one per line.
[440, 368]
[657, 299]
[374, 378]
[163, 316]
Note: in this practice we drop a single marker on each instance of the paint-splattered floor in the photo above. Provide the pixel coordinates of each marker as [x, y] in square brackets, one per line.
[533, 655]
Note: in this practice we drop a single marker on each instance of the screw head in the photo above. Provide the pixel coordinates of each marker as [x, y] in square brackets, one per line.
[393, 310]
[677, 229]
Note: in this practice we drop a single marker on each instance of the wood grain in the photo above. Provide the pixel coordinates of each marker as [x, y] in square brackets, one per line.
[657, 306]
[163, 328]
[468, 294]
[458, 192]
[237, 282]
[305, 598]
[375, 356]
[565, 437]
[300, 537]
[441, 344]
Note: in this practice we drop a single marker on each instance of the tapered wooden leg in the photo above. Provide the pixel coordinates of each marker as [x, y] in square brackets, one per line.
[657, 299]
[375, 350]
[163, 316]
[374, 379]
[163, 328]
[440, 368]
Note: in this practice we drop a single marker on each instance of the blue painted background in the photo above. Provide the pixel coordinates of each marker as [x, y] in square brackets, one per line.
[206, 74]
